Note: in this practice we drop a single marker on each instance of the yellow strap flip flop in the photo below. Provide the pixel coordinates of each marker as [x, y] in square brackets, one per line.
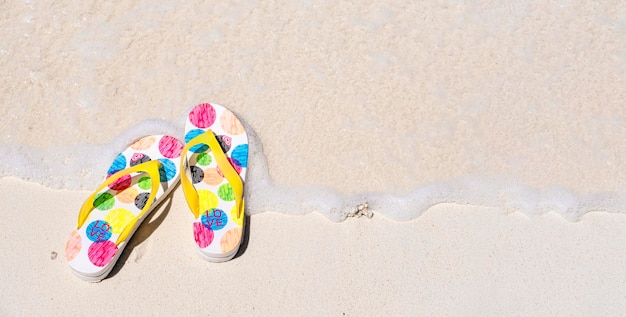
[216, 157]
[137, 181]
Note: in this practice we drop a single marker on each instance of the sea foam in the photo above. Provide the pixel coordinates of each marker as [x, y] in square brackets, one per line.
[81, 166]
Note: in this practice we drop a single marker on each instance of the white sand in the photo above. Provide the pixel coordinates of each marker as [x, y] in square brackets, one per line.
[453, 260]
[383, 98]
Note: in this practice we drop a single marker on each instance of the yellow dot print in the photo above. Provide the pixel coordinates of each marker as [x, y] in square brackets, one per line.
[118, 219]
[207, 200]
[234, 214]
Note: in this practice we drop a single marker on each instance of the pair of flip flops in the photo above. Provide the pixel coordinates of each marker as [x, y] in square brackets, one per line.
[214, 154]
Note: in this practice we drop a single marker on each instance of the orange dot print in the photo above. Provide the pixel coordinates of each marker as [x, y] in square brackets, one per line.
[143, 143]
[128, 195]
[212, 177]
[73, 246]
[230, 123]
[230, 240]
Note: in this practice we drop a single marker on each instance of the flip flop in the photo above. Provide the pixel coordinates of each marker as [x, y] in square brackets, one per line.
[216, 156]
[137, 181]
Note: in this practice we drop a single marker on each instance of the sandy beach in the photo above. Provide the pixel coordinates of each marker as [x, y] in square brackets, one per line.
[487, 139]
[453, 260]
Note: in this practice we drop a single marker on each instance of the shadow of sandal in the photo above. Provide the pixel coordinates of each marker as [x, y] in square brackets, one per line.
[246, 238]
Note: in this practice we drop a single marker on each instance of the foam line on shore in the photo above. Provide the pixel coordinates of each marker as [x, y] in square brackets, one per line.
[79, 167]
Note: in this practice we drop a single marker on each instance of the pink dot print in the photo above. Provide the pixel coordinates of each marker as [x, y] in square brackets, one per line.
[170, 147]
[121, 183]
[202, 116]
[202, 234]
[101, 253]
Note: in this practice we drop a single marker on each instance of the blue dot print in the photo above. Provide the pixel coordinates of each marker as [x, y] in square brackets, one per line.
[240, 154]
[214, 219]
[118, 164]
[98, 231]
[167, 171]
[196, 148]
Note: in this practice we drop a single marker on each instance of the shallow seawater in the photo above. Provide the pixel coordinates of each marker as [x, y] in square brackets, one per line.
[403, 106]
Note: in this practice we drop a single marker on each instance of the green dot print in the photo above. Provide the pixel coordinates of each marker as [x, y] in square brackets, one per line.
[145, 183]
[104, 201]
[226, 192]
[204, 159]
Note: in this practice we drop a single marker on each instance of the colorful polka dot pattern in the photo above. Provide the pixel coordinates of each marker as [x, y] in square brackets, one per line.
[217, 230]
[93, 246]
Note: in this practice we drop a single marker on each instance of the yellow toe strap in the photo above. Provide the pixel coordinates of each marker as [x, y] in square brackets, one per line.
[191, 195]
[151, 168]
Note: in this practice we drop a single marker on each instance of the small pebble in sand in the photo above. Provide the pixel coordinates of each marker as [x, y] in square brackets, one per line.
[360, 211]
[53, 255]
